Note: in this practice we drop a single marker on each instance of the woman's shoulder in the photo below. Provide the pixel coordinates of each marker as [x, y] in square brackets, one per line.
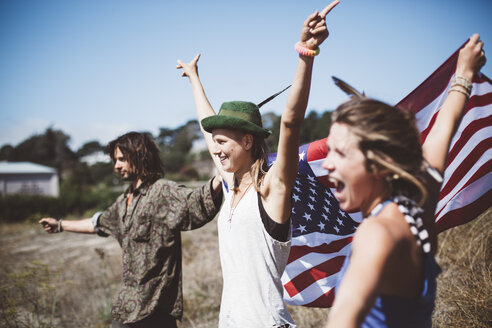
[383, 233]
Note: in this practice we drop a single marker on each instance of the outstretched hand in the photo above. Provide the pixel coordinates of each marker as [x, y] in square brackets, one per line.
[314, 30]
[49, 224]
[471, 58]
[189, 69]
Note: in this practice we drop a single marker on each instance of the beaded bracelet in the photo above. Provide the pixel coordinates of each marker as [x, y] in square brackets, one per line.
[463, 81]
[461, 84]
[455, 87]
[306, 51]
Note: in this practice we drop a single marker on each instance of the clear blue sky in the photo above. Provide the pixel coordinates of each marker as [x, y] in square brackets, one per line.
[97, 68]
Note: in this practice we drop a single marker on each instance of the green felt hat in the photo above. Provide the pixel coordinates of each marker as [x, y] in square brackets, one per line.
[237, 115]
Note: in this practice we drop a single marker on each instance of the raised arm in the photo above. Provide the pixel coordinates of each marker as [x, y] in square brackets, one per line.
[281, 177]
[471, 58]
[203, 107]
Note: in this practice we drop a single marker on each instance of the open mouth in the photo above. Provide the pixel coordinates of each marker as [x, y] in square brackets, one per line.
[339, 186]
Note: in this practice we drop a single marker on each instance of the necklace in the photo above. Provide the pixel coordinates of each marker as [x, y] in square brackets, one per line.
[233, 208]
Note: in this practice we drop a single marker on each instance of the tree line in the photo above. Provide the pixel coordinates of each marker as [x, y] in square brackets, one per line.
[51, 148]
[87, 188]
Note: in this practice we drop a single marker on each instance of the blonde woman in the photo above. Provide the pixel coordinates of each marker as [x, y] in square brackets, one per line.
[254, 225]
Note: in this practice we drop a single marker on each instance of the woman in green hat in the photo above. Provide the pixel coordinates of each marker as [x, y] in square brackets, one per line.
[254, 225]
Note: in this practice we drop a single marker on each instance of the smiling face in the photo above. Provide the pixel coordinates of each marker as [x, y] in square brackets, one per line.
[232, 149]
[356, 187]
[123, 167]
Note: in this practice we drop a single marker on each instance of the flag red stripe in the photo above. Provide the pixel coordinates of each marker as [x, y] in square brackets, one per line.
[465, 213]
[309, 277]
[475, 101]
[324, 300]
[482, 171]
[425, 132]
[479, 101]
[465, 166]
[333, 247]
[467, 133]
[325, 181]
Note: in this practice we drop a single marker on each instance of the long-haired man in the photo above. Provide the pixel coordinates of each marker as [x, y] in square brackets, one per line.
[147, 220]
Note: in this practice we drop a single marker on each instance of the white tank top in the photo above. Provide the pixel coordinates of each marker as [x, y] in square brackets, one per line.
[252, 265]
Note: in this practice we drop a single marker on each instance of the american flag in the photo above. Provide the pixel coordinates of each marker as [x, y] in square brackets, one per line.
[321, 232]
[467, 187]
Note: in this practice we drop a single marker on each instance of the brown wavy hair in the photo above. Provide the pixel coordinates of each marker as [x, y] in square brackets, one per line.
[141, 152]
[388, 138]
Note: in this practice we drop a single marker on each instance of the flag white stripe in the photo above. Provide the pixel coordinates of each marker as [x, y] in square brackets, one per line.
[315, 239]
[482, 88]
[309, 261]
[473, 114]
[317, 169]
[486, 156]
[466, 150]
[424, 116]
[312, 292]
[468, 195]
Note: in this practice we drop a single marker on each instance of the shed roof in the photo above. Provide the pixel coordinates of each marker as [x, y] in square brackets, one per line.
[24, 167]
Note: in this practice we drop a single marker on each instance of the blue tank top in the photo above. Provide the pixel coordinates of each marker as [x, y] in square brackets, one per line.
[392, 311]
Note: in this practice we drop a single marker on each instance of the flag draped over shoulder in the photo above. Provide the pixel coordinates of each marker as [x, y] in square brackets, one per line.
[322, 232]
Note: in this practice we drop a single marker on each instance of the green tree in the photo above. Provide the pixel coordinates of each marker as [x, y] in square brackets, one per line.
[271, 121]
[322, 126]
[6, 152]
[50, 148]
[90, 147]
[176, 144]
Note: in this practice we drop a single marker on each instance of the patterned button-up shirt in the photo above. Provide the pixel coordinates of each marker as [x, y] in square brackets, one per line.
[148, 232]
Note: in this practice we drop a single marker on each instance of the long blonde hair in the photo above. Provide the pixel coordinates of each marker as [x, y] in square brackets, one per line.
[259, 153]
[389, 139]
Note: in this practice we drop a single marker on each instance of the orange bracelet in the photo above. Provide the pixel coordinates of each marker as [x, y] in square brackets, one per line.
[306, 51]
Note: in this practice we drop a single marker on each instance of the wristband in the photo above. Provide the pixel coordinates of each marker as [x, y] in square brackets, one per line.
[458, 89]
[60, 229]
[306, 51]
[463, 81]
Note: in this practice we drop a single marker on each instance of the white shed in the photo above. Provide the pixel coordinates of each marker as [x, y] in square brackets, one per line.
[28, 179]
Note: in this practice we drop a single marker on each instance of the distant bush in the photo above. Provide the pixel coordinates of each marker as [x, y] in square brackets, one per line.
[15, 208]
[18, 208]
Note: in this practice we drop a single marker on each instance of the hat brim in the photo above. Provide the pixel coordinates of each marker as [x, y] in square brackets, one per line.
[233, 123]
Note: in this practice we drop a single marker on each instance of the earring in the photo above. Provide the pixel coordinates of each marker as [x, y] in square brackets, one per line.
[390, 178]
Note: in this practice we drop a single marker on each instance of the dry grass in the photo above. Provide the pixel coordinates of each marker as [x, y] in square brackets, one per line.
[464, 295]
[65, 280]
[61, 280]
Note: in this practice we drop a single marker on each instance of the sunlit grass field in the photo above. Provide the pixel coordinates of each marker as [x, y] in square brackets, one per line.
[67, 280]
